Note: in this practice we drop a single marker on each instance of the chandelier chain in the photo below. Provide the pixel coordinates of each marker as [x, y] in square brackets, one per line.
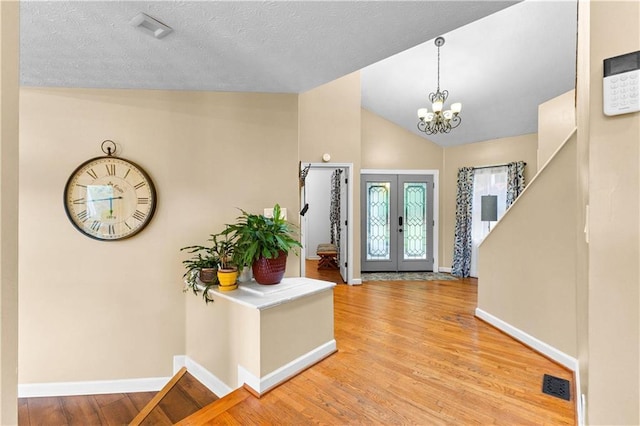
[438, 86]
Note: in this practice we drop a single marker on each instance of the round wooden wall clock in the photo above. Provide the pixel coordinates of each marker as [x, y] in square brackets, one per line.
[109, 198]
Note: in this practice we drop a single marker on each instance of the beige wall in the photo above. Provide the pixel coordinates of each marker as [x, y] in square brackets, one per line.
[614, 271]
[556, 120]
[115, 310]
[497, 151]
[386, 145]
[329, 122]
[260, 341]
[227, 334]
[284, 340]
[526, 264]
[9, 42]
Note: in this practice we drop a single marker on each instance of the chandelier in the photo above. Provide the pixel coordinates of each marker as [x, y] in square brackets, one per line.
[439, 121]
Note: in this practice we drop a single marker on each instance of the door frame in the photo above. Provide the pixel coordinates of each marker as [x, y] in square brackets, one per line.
[436, 202]
[303, 222]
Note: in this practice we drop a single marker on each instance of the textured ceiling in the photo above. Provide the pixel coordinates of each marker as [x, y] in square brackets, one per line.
[283, 46]
[294, 46]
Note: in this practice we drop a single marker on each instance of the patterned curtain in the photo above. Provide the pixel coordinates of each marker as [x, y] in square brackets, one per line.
[462, 246]
[334, 210]
[515, 181]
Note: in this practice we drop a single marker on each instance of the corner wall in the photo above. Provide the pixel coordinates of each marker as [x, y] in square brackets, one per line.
[329, 122]
[556, 119]
[614, 228]
[9, 98]
[527, 263]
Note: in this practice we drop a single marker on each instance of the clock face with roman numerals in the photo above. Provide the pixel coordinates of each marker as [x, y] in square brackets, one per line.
[108, 198]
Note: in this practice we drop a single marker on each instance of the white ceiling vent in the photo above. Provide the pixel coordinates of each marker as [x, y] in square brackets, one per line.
[151, 25]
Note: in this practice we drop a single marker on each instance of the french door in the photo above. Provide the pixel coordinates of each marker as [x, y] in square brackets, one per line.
[397, 222]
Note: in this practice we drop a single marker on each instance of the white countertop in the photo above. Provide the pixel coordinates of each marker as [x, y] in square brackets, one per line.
[261, 296]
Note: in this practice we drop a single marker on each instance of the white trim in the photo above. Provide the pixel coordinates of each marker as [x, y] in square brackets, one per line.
[356, 281]
[94, 387]
[204, 376]
[436, 202]
[579, 398]
[287, 371]
[549, 351]
[303, 223]
[444, 269]
[398, 172]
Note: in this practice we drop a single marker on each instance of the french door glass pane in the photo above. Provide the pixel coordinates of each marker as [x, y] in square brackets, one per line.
[415, 216]
[378, 220]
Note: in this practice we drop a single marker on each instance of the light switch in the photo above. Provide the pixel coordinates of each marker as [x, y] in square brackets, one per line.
[269, 213]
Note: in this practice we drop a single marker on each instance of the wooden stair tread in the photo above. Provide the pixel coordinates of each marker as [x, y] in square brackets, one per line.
[182, 396]
[216, 408]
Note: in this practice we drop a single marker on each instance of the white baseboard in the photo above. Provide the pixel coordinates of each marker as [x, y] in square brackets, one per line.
[204, 376]
[579, 398]
[356, 281]
[549, 351]
[282, 374]
[32, 390]
[444, 269]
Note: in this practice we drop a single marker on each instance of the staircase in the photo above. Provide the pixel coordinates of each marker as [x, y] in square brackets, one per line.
[185, 401]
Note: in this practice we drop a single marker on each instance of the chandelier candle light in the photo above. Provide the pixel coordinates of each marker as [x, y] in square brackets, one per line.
[439, 121]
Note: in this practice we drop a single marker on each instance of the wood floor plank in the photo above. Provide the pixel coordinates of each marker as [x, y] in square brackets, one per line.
[23, 412]
[216, 408]
[118, 412]
[153, 404]
[141, 399]
[177, 405]
[198, 392]
[81, 410]
[156, 417]
[46, 411]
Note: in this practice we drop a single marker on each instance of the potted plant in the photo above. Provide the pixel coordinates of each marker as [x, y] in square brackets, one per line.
[227, 270]
[264, 243]
[201, 268]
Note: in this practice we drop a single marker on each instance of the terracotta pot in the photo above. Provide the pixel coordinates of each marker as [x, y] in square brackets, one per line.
[207, 275]
[270, 271]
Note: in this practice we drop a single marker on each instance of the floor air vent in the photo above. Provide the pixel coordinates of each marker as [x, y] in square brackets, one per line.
[556, 386]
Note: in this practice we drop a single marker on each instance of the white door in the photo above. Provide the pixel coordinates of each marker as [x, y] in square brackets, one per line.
[344, 197]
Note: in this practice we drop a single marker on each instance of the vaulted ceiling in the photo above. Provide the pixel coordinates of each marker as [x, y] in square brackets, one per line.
[501, 58]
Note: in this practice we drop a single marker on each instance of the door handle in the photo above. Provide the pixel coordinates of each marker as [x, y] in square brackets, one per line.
[399, 223]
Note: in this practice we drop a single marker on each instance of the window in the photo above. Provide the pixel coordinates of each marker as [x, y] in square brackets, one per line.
[486, 181]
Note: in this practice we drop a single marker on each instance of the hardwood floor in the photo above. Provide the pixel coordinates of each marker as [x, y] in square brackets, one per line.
[185, 398]
[409, 352]
[312, 271]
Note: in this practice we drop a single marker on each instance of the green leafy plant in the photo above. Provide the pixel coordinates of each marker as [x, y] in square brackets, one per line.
[218, 255]
[225, 250]
[258, 236]
[203, 257]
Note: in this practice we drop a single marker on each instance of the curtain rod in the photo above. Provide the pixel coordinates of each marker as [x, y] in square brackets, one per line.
[496, 165]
